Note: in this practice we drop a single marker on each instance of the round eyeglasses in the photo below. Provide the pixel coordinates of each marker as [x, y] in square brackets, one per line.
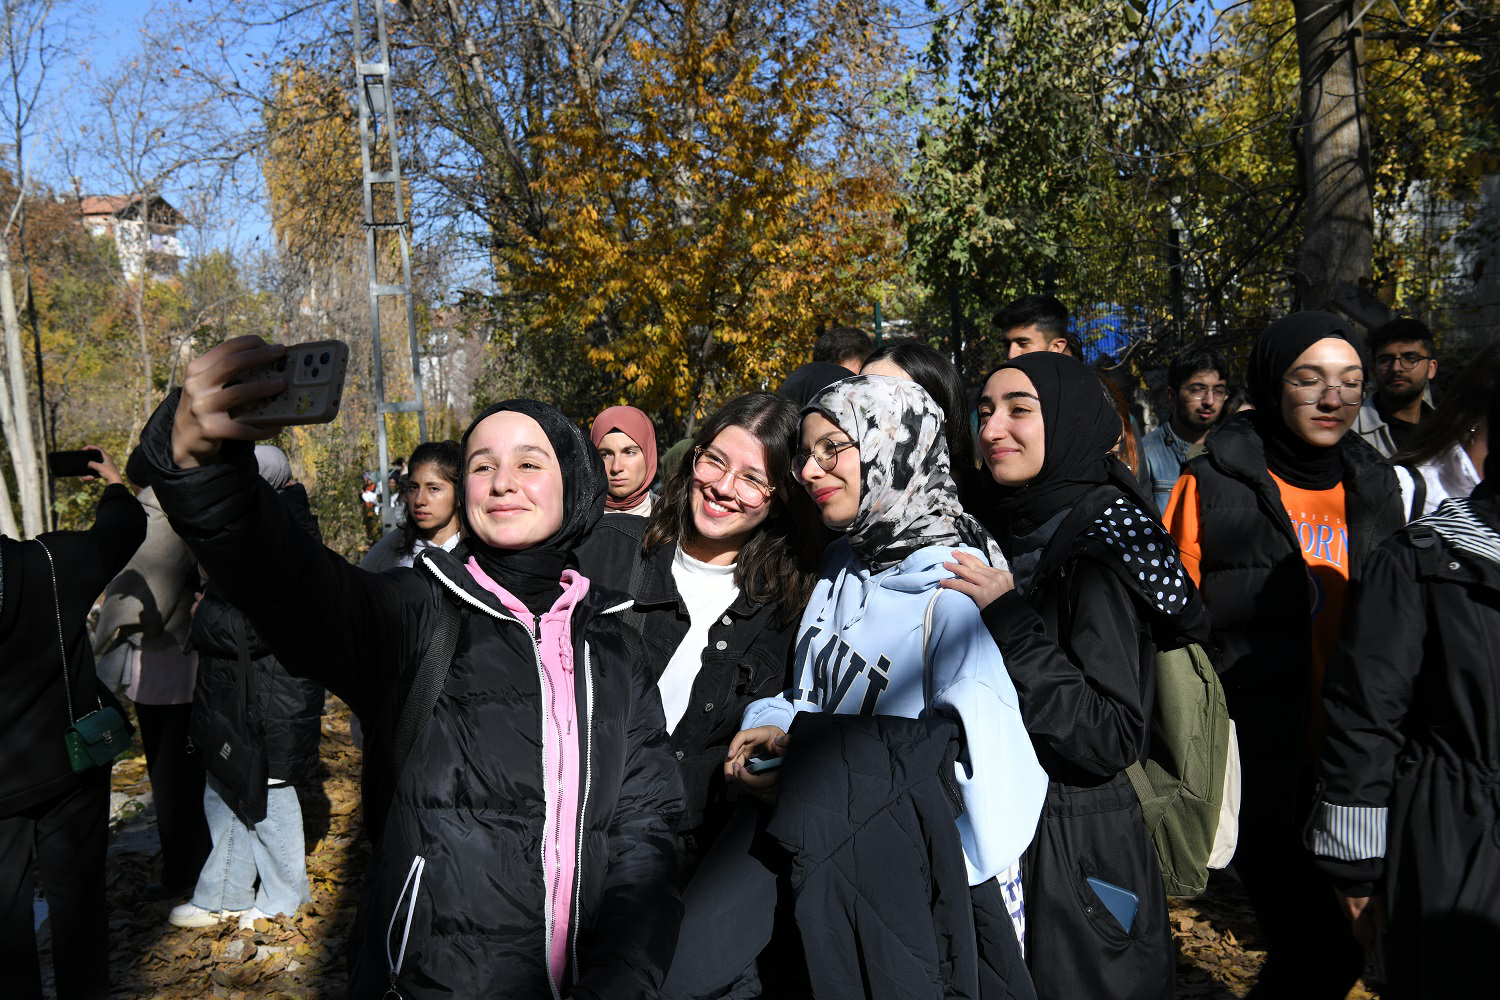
[1311, 390]
[749, 490]
[1406, 362]
[825, 451]
[1197, 390]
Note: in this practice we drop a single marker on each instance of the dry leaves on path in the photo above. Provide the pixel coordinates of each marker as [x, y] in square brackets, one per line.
[303, 956]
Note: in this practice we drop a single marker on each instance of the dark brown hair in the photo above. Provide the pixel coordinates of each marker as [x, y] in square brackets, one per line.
[1130, 449]
[779, 562]
[1464, 405]
[448, 460]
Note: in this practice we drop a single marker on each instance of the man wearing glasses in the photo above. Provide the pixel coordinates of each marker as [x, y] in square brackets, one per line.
[1404, 364]
[1199, 384]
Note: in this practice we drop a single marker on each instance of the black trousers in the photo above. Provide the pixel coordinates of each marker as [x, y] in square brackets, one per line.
[177, 791]
[1310, 952]
[739, 935]
[729, 915]
[66, 836]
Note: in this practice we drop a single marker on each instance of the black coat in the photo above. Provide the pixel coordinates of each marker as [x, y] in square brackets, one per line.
[1080, 646]
[866, 810]
[748, 656]
[1411, 753]
[470, 802]
[285, 714]
[34, 709]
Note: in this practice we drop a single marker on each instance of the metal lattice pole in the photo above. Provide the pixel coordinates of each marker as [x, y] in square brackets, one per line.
[384, 217]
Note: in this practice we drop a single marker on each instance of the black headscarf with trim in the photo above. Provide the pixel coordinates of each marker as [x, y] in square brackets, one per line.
[1080, 427]
[1305, 465]
[534, 574]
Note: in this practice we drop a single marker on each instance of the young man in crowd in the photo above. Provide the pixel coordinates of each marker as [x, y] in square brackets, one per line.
[1036, 323]
[846, 346]
[1199, 384]
[1404, 364]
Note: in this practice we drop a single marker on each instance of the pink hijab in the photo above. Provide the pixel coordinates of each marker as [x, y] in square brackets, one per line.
[637, 426]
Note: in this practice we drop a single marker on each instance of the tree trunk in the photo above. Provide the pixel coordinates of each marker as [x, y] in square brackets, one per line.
[15, 408]
[1334, 140]
[7, 515]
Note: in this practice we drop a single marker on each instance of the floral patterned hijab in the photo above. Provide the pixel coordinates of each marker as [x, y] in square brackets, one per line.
[907, 497]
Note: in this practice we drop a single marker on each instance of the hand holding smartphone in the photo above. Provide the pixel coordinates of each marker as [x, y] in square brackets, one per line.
[314, 376]
[760, 765]
[87, 464]
[72, 464]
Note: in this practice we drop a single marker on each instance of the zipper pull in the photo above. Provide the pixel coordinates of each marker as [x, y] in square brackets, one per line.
[536, 622]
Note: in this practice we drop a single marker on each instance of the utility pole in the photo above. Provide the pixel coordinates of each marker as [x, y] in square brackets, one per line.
[385, 217]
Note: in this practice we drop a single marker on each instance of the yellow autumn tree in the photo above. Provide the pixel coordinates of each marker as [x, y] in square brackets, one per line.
[1431, 128]
[697, 238]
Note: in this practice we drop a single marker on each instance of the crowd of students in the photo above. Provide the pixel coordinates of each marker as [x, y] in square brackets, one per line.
[844, 707]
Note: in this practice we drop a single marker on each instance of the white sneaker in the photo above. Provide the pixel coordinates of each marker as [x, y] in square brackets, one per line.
[193, 915]
[250, 916]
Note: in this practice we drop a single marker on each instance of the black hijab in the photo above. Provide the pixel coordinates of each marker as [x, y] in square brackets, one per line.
[1080, 426]
[804, 384]
[1305, 465]
[534, 574]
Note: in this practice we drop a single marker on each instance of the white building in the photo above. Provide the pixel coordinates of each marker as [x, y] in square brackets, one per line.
[151, 244]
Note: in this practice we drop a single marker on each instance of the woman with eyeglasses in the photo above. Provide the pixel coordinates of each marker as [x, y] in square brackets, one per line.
[882, 642]
[1275, 522]
[720, 572]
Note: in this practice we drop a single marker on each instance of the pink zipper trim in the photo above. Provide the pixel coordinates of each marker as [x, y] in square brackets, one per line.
[560, 722]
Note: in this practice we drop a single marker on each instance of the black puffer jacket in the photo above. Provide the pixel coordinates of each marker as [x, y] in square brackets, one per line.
[748, 656]
[882, 900]
[457, 872]
[285, 714]
[34, 708]
[1252, 574]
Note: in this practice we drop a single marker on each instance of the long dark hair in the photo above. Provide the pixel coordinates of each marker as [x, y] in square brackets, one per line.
[1465, 404]
[448, 459]
[779, 562]
[934, 372]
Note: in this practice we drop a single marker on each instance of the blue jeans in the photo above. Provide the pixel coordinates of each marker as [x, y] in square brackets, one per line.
[271, 849]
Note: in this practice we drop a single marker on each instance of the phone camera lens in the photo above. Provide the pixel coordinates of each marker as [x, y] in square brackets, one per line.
[315, 372]
[327, 357]
[306, 360]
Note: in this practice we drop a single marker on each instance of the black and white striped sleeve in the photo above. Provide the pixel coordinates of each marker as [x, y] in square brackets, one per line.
[1366, 696]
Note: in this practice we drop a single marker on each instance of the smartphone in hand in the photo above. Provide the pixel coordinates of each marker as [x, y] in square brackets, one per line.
[760, 765]
[315, 386]
[70, 464]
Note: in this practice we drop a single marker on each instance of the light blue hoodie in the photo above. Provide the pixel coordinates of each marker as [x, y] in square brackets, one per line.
[859, 650]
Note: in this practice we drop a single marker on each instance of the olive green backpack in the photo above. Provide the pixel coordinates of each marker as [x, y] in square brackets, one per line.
[1189, 784]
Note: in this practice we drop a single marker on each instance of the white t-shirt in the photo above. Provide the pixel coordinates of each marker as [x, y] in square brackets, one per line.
[707, 591]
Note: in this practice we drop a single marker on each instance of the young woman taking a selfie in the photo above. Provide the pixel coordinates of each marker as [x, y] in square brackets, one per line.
[525, 848]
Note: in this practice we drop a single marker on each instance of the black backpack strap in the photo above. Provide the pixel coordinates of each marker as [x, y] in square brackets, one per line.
[632, 617]
[1418, 491]
[431, 674]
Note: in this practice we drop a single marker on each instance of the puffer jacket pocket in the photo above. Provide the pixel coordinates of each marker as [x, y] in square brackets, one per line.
[398, 930]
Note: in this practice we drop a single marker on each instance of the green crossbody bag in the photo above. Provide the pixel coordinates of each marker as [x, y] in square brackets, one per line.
[99, 737]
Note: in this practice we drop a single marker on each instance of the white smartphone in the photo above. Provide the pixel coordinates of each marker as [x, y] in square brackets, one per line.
[315, 386]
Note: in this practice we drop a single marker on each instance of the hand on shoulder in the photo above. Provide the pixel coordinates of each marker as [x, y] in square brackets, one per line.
[976, 579]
